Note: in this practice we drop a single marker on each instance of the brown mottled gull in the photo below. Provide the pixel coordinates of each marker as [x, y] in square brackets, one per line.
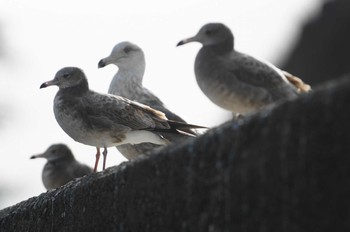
[104, 120]
[236, 81]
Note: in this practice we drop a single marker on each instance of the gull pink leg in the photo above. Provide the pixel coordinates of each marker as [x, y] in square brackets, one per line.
[104, 158]
[97, 158]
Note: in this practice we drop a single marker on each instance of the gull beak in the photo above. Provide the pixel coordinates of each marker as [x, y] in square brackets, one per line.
[188, 40]
[37, 156]
[105, 61]
[101, 63]
[48, 83]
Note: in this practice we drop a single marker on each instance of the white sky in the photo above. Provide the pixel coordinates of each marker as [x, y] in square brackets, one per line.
[44, 36]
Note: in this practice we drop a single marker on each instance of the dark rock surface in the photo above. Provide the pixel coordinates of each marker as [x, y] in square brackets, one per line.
[284, 169]
[323, 50]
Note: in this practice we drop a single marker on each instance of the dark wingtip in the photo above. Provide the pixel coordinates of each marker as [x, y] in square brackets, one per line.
[101, 64]
[184, 125]
[33, 157]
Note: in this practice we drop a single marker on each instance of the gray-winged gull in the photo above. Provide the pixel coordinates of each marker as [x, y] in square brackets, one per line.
[105, 120]
[236, 81]
[127, 82]
[61, 166]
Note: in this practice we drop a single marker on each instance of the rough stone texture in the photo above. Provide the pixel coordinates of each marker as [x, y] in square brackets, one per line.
[323, 50]
[284, 169]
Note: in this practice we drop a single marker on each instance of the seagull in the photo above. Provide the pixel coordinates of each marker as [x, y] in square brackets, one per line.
[105, 120]
[61, 166]
[236, 81]
[127, 82]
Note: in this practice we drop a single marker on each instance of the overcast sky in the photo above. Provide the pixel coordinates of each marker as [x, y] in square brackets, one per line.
[40, 37]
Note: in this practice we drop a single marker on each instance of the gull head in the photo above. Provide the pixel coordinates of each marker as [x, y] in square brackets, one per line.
[210, 34]
[124, 54]
[56, 152]
[67, 77]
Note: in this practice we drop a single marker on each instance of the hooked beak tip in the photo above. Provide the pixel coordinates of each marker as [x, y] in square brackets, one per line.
[188, 40]
[182, 42]
[43, 85]
[101, 64]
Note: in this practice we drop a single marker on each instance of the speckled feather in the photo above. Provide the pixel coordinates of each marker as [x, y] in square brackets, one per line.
[127, 82]
[233, 80]
[104, 120]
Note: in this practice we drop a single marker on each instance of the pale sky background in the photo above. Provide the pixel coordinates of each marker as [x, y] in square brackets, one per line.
[40, 37]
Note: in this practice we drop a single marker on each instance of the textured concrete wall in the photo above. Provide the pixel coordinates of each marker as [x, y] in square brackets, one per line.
[285, 169]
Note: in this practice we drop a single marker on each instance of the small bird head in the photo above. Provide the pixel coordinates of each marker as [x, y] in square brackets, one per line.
[211, 34]
[124, 54]
[56, 152]
[67, 77]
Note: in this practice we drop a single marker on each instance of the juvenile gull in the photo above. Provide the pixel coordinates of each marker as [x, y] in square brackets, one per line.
[104, 120]
[61, 166]
[127, 82]
[236, 81]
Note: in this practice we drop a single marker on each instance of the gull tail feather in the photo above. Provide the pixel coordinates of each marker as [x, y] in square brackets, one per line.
[298, 83]
[183, 125]
[181, 128]
[185, 128]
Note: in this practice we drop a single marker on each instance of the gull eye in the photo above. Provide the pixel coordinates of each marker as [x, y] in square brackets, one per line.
[127, 49]
[66, 75]
[53, 151]
[208, 32]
